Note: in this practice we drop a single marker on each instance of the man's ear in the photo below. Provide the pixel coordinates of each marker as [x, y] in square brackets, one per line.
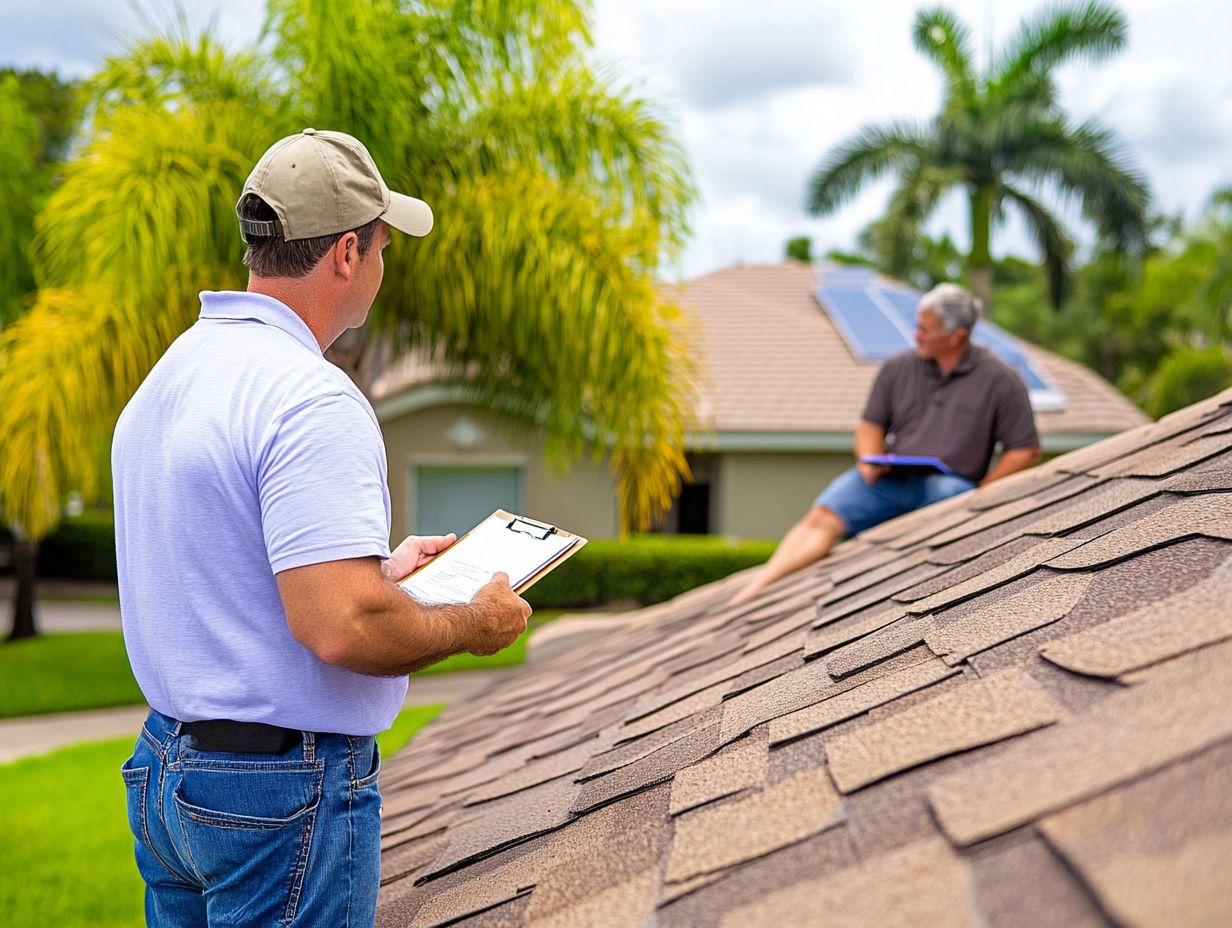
[345, 255]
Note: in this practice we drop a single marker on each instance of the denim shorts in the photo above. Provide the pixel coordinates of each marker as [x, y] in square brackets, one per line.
[861, 505]
[255, 839]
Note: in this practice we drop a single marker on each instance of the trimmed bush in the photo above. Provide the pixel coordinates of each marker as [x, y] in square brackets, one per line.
[646, 569]
[80, 549]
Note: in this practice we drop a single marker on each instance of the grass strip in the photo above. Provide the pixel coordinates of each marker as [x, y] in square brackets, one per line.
[66, 854]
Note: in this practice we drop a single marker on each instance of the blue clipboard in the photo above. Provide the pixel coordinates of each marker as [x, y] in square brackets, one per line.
[907, 460]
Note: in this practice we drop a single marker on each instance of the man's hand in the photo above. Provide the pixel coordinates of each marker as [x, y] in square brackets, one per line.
[872, 472]
[500, 616]
[413, 553]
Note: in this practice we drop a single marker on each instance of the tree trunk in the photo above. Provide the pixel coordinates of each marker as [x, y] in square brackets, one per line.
[979, 262]
[25, 560]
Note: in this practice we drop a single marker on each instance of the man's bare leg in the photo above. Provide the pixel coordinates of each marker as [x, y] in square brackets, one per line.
[807, 541]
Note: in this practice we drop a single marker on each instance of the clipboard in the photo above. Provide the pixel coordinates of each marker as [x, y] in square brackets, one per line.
[562, 545]
[907, 460]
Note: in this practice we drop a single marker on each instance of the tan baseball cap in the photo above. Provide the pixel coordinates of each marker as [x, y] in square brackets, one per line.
[323, 183]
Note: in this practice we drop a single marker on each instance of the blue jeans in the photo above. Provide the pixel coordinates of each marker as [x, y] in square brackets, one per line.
[255, 839]
[862, 506]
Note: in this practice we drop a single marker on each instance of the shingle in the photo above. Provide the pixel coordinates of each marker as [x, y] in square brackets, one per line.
[498, 824]
[1189, 620]
[1209, 514]
[894, 639]
[624, 754]
[1156, 852]
[627, 903]
[859, 699]
[673, 712]
[811, 683]
[962, 572]
[823, 640]
[1011, 512]
[1016, 487]
[922, 884]
[965, 717]
[736, 767]
[1165, 459]
[1021, 883]
[654, 768]
[532, 773]
[1130, 443]
[1030, 559]
[1127, 735]
[1103, 500]
[721, 835]
[878, 594]
[870, 578]
[764, 674]
[1039, 605]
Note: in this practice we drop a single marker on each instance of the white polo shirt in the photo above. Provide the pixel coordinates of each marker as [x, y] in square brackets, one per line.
[245, 453]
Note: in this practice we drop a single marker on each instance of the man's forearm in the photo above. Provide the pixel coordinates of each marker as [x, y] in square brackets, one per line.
[870, 439]
[1011, 462]
[400, 635]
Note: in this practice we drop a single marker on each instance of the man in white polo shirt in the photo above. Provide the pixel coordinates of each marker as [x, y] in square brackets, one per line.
[256, 581]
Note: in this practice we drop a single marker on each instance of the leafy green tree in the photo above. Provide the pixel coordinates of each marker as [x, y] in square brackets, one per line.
[800, 248]
[555, 195]
[1001, 138]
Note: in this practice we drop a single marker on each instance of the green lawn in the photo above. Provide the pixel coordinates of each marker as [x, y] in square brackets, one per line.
[89, 670]
[66, 854]
[62, 672]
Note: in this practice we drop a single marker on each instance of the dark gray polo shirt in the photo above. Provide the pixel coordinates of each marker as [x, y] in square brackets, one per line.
[959, 417]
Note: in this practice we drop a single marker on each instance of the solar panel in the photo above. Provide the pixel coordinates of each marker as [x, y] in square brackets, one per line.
[879, 321]
[869, 332]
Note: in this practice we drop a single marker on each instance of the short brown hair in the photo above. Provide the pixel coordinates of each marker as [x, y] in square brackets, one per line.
[270, 256]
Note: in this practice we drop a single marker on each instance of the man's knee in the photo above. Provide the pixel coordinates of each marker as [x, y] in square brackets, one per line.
[824, 519]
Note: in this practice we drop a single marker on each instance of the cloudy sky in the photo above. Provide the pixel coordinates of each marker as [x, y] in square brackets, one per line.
[759, 92]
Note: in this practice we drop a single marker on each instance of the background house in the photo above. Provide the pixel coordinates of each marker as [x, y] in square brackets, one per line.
[788, 354]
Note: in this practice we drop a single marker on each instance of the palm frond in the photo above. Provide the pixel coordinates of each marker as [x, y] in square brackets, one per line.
[580, 130]
[151, 196]
[1088, 163]
[1093, 31]
[865, 157]
[942, 36]
[66, 368]
[535, 294]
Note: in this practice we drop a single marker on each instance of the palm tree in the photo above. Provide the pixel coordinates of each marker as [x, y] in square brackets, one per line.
[1002, 139]
[555, 196]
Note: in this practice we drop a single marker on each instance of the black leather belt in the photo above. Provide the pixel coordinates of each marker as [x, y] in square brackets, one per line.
[240, 737]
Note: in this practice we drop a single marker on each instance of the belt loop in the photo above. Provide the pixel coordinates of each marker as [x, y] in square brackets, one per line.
[310, 746]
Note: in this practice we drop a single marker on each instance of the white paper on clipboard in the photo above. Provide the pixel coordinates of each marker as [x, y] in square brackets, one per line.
[455, 575]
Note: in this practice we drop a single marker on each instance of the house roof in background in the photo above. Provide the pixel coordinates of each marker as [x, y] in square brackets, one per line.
[1009, 708]
[773, 362]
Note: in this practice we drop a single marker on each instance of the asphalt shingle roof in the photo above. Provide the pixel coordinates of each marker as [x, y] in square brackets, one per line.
[1009, 709]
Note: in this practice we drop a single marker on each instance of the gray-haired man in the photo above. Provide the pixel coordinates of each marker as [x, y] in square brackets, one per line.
[949, 400]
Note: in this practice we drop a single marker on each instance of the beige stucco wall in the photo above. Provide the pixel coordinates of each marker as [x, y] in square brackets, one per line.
[763, 495]
[583, 500]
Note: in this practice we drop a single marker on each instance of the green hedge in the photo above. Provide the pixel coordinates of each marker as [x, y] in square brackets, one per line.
[80, 549]
[646, 569]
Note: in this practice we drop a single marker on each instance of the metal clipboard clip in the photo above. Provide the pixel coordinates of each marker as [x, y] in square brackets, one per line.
[536, 530]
